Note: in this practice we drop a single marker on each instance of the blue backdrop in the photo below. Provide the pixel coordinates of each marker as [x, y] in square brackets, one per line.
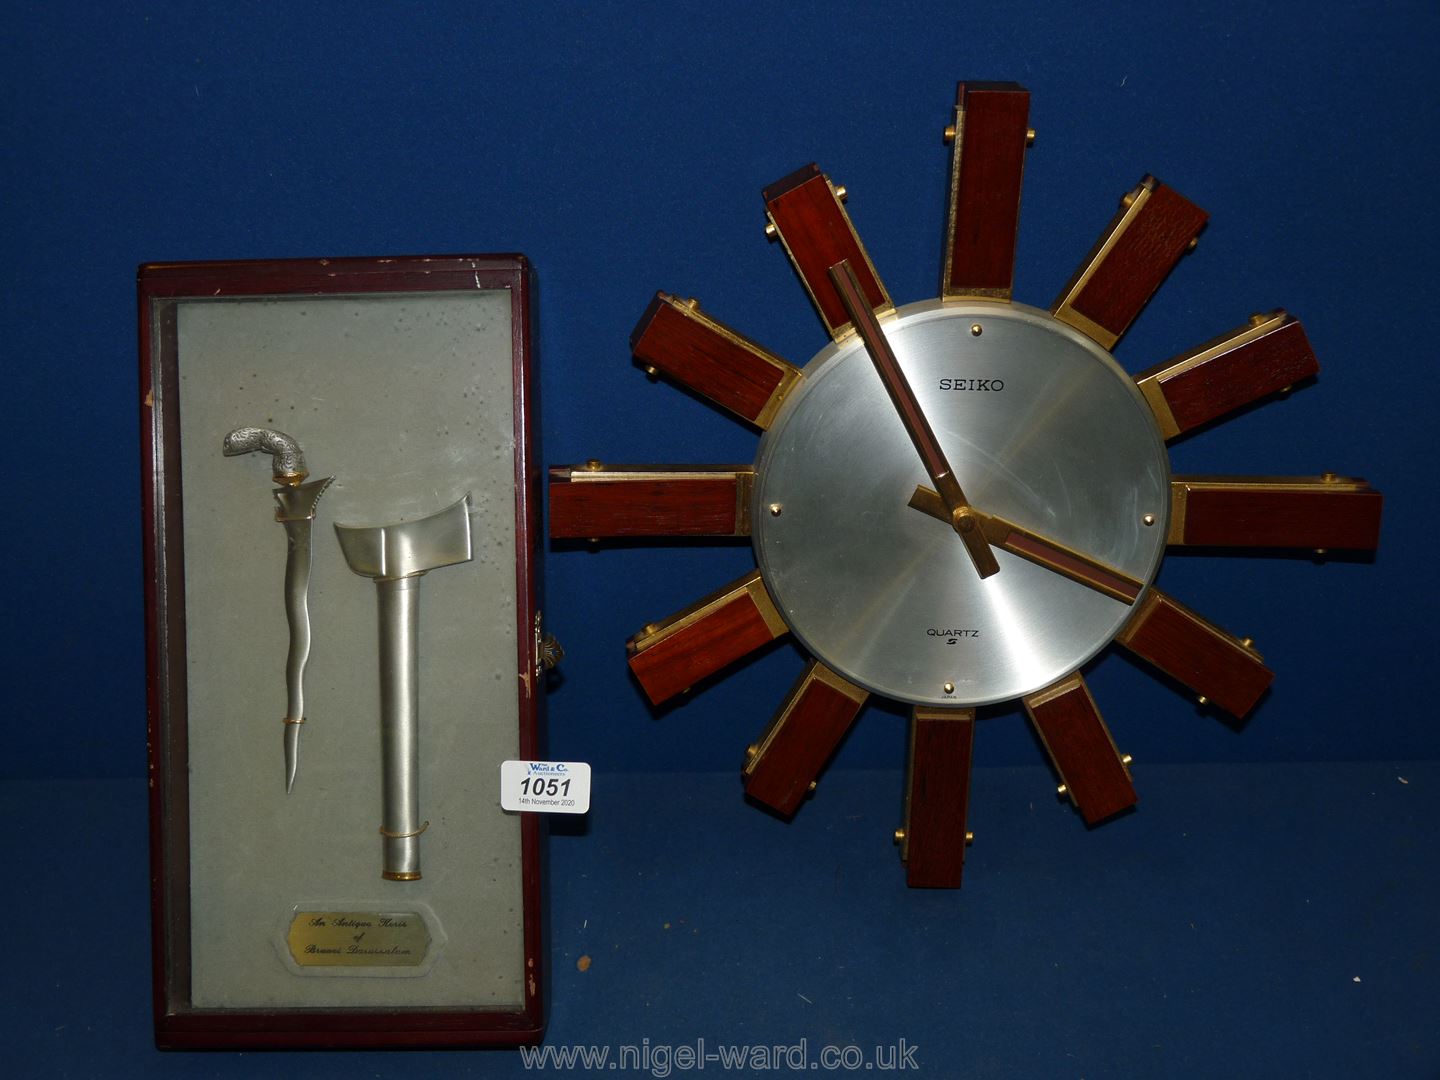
[623, 148]
[1264, 916]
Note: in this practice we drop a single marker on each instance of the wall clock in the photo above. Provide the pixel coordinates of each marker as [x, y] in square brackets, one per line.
[963, 500]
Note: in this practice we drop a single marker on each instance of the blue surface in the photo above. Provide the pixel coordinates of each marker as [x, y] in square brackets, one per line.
[1247, 921]
[1217, 931]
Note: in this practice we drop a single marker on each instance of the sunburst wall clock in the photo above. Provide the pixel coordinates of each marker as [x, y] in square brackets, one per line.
[963, 500]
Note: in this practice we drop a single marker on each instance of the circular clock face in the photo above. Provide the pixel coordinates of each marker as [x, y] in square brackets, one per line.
[1042, 429]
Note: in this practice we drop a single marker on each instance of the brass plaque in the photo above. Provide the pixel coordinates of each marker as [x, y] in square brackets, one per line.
[358, 939]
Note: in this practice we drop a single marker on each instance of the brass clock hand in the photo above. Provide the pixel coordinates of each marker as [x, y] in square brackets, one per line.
[958, 512]
[1039, 549]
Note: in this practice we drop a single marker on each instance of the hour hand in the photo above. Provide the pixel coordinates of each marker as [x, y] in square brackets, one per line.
[1039, 549]
[957, 510]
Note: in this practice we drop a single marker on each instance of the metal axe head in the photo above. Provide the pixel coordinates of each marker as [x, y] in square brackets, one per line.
[408, 548]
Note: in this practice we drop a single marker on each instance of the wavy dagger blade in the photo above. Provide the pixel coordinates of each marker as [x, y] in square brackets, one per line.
[297, 513]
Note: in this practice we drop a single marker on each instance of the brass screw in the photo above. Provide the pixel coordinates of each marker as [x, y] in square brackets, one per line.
[899, 836]
[650, 628]
[593, 465]
[1062, 791]
[1321, 552]
[949, 134]
[1126, 760]
[593, 540]
[841, 193]
[975, 330]
[1148, 519]
[1284, 391]
[1249, 643]
[1258, 318]
[811, 789]
[651, 371]
[1194, 243]
[776, 509]
[693, 304]
[1029, 136]
[770, 231]
[1202, 700]
[949, 688]
[969, 838]
[751, 751]
[1329, 477]
[1129, 198]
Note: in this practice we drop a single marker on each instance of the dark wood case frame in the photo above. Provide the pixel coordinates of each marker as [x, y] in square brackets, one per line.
[179, 1025]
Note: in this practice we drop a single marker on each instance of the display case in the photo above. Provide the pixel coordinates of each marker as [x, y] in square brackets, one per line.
[344, 643]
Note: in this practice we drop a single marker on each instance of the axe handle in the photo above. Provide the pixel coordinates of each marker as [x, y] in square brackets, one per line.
[399, 608]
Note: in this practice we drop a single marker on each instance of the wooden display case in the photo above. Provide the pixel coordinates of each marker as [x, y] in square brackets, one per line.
[409, 381]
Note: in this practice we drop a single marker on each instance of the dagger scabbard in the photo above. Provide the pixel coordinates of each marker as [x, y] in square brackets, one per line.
[400, 827]
[396, 557]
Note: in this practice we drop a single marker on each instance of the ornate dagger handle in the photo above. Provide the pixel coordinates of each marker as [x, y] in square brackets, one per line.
[289, 459]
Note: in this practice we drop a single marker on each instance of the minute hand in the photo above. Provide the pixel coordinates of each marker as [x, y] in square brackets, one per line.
[961, 516]
[1041, 550]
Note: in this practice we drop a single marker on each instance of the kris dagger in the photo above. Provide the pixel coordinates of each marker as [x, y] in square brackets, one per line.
[295, 503]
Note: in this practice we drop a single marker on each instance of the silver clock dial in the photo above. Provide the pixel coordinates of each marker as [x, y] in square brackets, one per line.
[1041, 427]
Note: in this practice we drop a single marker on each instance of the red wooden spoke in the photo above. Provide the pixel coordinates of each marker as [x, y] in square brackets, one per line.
[1205, 658]
[671, 656]
[594, 500]
[990, 136]
[932, 843]
[1136, 252]
[1092, 770]
[1268, 354]
[781, 768]
[676, 338]
[1317, 512]
[806, 214]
